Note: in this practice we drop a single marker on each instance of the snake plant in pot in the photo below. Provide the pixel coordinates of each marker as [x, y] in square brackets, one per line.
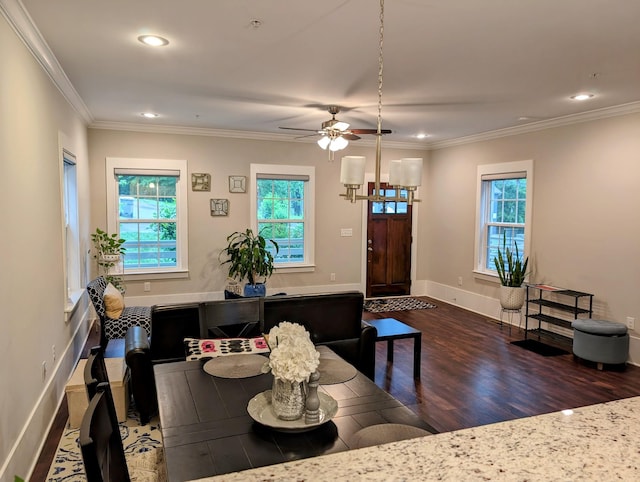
[249, 257]
[512, 270]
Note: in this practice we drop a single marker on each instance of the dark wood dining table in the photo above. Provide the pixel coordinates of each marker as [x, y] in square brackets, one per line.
[208, 431]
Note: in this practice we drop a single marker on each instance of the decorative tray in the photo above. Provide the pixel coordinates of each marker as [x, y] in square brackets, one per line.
[261, 411]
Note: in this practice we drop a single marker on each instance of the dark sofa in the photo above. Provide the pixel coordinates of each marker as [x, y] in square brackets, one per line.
[332, 319]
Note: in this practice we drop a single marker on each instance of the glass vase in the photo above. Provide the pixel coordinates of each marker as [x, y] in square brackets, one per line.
[288, 399]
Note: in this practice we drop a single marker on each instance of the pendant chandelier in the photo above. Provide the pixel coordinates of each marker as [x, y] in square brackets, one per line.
[404, 174]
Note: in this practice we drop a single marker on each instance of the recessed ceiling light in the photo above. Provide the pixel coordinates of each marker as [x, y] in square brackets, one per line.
[583, 96]
[149, 115]
[422, 136]
[153, 40]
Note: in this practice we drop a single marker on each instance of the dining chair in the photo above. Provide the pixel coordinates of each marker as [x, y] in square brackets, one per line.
[110, 328]
[236, 318]
[100, 442]
[95, 370]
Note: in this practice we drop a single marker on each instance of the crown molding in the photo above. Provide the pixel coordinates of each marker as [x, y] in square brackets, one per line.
[233, 134]
[619, 110]
[25, 28]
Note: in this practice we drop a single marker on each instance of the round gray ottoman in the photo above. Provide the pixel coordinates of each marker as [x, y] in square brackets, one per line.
[600, 341]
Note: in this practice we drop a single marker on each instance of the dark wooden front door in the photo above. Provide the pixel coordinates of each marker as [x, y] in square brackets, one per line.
[388, 245]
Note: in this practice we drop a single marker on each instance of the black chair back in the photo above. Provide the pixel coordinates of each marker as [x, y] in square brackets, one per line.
[95, 371]
[100, 443]
[244, 315]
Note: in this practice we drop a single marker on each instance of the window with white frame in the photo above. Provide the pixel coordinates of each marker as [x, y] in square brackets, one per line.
[282, 209]
[71, 232]
[147, 207]
[504, 201]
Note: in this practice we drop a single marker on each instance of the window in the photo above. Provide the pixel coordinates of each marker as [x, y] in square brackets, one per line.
[389, 207]
[70, 232]
[147, 207]
[282, 210]
[504, 211]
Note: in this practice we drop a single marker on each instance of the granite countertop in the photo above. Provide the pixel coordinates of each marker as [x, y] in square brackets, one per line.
[598, 442]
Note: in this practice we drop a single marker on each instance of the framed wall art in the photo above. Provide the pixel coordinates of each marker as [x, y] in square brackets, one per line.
[200, 181]
[237, 183]
[219, 207]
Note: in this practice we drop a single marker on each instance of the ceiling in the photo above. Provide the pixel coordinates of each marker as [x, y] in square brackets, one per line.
[451, 68]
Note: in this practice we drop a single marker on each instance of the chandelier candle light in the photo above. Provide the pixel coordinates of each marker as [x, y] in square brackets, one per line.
[404, 174]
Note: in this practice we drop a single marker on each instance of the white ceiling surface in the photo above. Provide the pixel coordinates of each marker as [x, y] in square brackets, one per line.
[452, 68]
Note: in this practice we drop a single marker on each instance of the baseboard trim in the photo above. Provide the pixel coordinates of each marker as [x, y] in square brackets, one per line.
[490, 307]
[41, 419]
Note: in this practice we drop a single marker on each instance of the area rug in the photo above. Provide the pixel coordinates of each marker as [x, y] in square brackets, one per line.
[142, 447]
[539, 347]
[403, 303]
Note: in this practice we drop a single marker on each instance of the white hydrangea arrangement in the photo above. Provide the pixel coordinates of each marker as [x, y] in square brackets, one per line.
[293, 355]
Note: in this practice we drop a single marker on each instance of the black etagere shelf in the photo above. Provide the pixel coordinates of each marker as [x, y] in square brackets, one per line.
[547, 298]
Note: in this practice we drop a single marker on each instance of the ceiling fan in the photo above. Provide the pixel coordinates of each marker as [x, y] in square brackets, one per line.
[336, 133]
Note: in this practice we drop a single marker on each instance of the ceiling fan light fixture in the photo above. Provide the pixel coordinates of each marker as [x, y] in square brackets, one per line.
[334, 124]
[338, 144]
[323, 142]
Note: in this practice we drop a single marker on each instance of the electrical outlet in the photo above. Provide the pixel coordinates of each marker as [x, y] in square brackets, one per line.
[631, 322]
[333, 277]
[147, 286]
[459, 280]
[53, 352]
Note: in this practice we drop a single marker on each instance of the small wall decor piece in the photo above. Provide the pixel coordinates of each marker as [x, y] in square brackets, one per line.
[219, 207]
[237, 183]
[200, 181]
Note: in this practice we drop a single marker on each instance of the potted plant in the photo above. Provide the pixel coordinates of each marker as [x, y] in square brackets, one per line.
[108, 249]
[250, 259]
[512, 270]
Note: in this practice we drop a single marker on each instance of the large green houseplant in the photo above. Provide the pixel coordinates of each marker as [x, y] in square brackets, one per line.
[512, 270]
[249, 257]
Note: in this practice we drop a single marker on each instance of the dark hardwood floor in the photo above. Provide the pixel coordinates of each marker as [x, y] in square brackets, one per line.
[471, 375]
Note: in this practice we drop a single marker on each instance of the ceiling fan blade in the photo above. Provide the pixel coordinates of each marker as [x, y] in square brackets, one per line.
[296, 129]
[351, 137]
[370, 131]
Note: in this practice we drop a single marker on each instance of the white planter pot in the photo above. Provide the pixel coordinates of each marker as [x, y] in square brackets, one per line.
[511, 298]
[110, 258]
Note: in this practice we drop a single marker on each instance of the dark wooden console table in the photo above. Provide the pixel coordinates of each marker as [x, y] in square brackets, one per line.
[207, 431]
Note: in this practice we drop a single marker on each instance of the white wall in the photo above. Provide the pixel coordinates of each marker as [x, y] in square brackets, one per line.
[33, 117]
[222, 157]
[586, 224]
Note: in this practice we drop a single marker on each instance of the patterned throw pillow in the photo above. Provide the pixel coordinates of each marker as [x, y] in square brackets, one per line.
[203, 348]
[113, 302]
